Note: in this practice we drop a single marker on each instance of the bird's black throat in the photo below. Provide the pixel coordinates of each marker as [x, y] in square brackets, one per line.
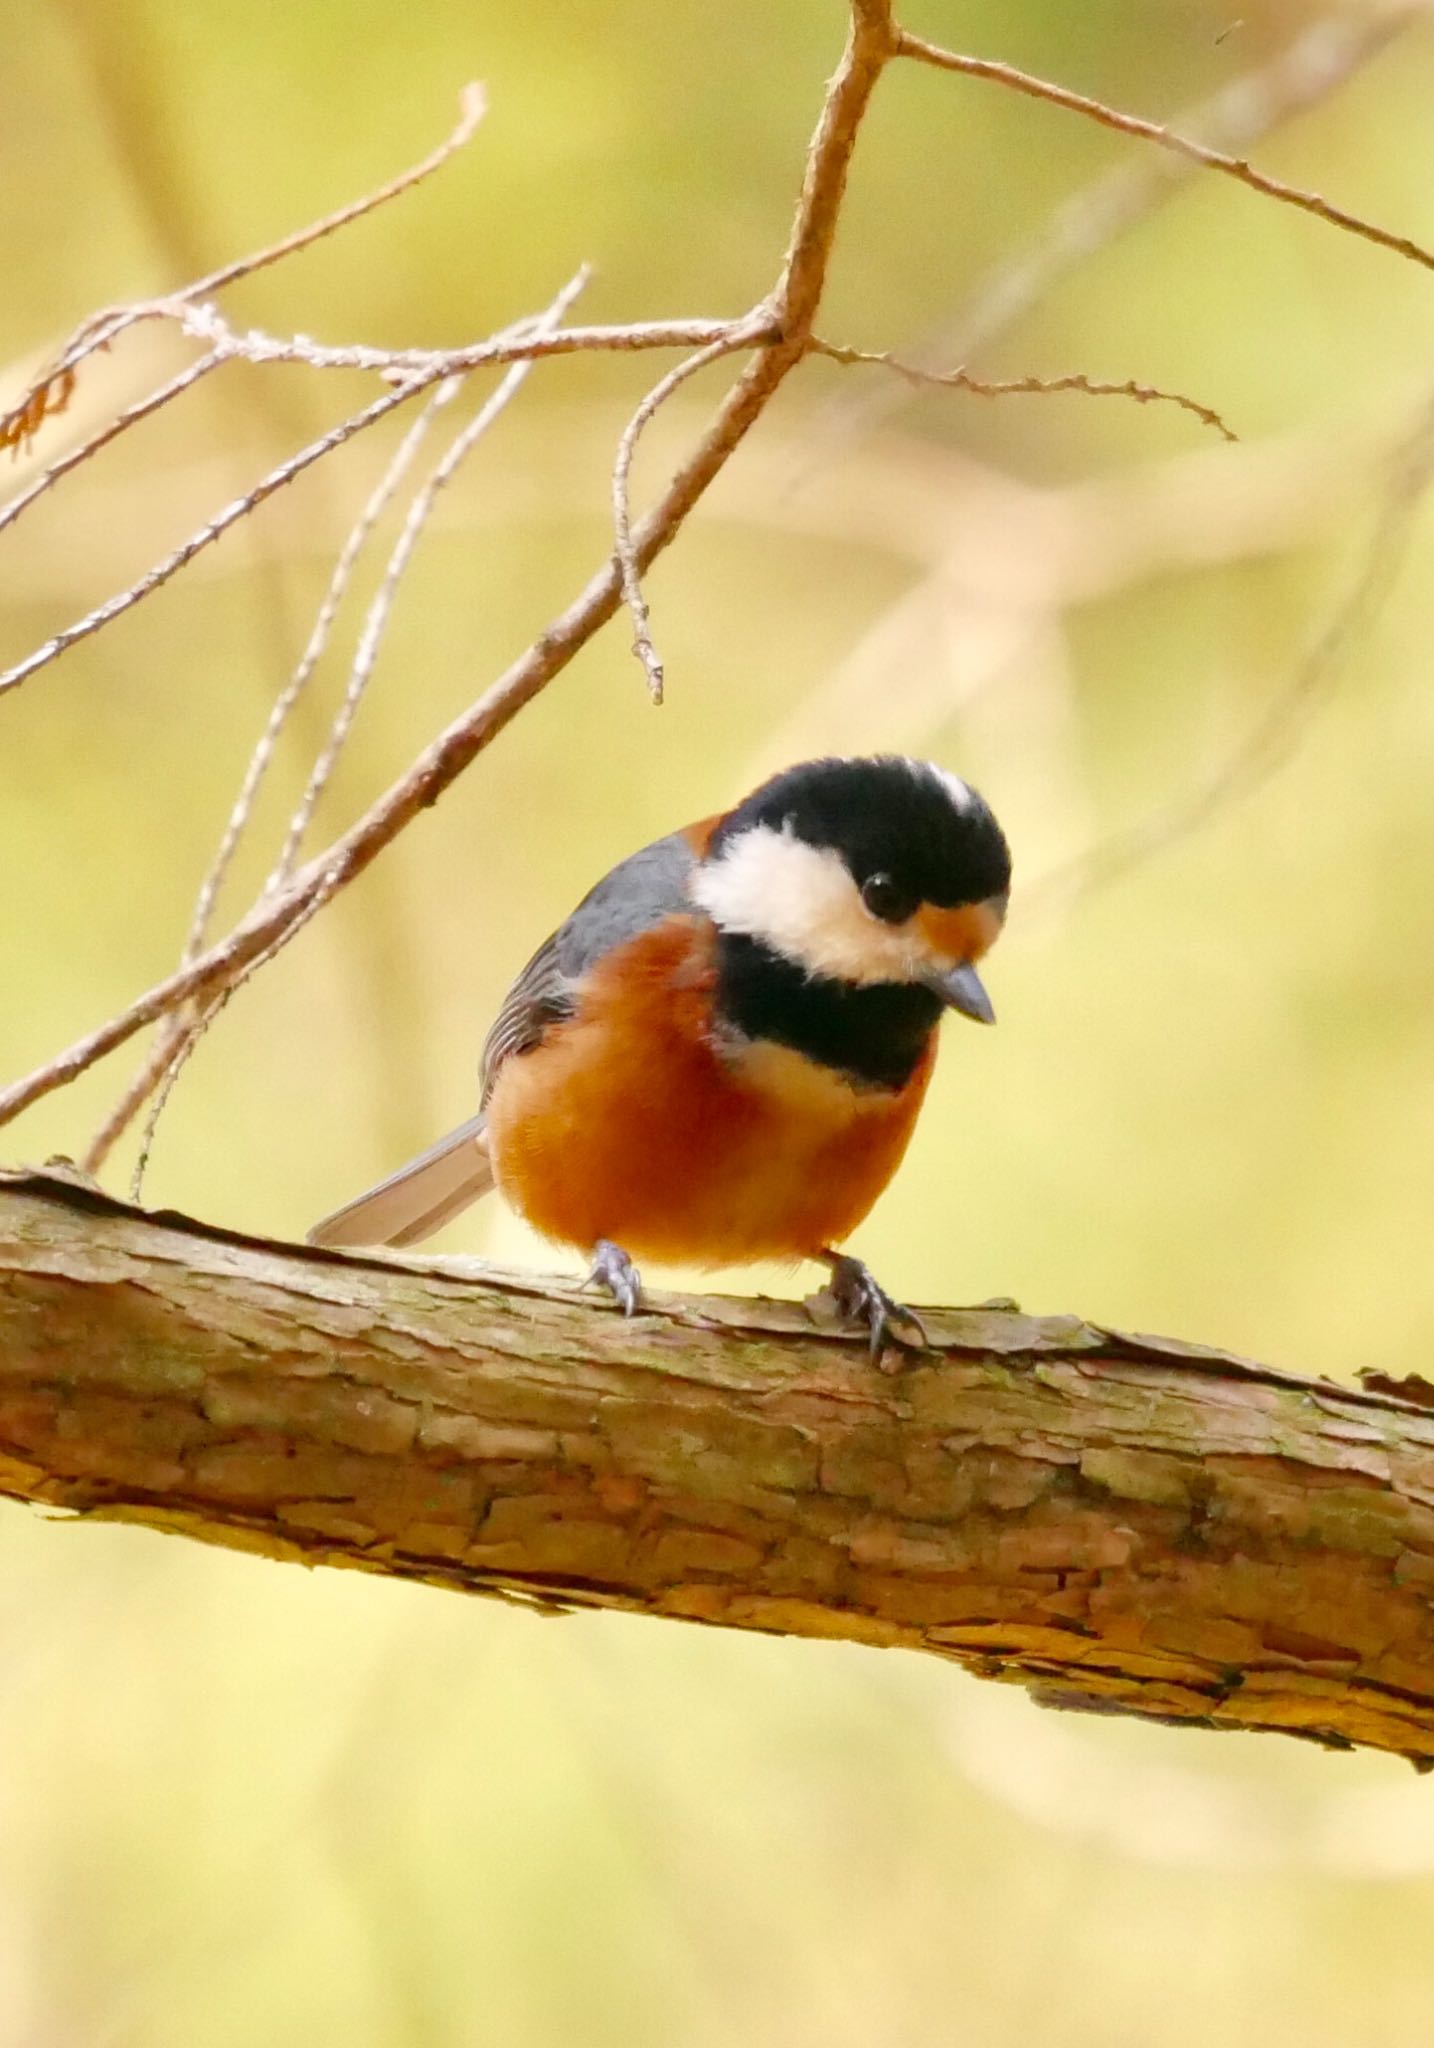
[874, 1034]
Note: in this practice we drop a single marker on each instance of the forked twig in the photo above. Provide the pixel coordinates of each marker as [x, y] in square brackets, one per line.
[416, 371]
[1239, 113]
[51, 391]
[799, 289]
[178, 1040]
[778, 332]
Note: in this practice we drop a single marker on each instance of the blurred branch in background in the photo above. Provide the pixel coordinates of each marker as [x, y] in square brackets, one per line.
[1172, 1811]
[998, 570]
[1275, 733]
[1120, 1524]
[776, 333]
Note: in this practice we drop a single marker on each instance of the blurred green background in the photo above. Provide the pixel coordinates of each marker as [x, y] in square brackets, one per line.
[243, 1804]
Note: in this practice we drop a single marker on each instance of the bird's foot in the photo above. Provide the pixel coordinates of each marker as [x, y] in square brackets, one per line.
[861, 1297]
[613, 1269]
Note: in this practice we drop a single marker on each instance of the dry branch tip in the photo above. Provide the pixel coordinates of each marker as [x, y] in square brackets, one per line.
[43, 401]
[1236, 167]
[962, 379]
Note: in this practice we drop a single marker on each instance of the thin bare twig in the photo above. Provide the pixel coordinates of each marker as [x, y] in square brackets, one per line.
[263, 755]
[1165, 138]
[1004, 387]
[388, 484]
[740, 337]
[179, 1045]
[512, 344]
[158, 1061]
[155, 577]
[376, 622]
[472, 106]
[137, 1091]
[51, 391]
[142, 409]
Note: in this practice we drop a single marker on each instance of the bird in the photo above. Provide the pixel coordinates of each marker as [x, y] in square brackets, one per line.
[720, 1056]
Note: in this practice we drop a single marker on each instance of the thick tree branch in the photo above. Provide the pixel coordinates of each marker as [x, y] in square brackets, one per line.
[1115, 1522]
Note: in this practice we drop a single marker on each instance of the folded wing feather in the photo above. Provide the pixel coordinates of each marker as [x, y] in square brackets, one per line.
[420, 1198]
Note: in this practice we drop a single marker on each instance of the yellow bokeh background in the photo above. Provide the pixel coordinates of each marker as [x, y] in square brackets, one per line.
[240, 1803]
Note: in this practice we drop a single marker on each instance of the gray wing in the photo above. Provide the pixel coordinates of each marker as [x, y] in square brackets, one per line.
[635, 895]
[422, 1196]
[540, 996]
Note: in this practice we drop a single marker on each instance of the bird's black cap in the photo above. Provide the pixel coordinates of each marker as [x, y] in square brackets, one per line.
[932, 836]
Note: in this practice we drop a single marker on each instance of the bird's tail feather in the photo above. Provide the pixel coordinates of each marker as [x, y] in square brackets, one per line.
[420, 1198]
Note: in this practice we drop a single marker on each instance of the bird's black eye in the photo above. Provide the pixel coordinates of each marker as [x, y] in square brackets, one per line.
[887, 899]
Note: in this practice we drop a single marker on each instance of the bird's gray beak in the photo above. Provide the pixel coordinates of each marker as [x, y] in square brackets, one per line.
[964, 990]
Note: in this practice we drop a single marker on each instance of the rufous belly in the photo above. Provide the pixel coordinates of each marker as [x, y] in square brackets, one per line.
[635, 1122]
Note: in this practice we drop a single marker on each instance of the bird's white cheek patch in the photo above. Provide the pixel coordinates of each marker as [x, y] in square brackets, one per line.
[802, 902]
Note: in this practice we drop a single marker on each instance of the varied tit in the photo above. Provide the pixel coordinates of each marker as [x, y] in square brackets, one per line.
[720, 1056]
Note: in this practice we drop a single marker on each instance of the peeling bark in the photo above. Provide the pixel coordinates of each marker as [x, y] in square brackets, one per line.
[1122, 1523]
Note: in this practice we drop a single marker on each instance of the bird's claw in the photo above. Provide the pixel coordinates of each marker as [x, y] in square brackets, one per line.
[861, 1297]
[613, 1269]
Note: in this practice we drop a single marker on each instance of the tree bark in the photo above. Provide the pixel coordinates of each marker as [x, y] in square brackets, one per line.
[1123, 1523]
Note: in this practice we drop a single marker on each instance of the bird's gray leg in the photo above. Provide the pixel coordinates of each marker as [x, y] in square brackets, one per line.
[613, 1269]
[858, 1294]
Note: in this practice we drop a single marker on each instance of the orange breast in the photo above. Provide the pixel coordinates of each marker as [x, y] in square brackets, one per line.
[633, 1122]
